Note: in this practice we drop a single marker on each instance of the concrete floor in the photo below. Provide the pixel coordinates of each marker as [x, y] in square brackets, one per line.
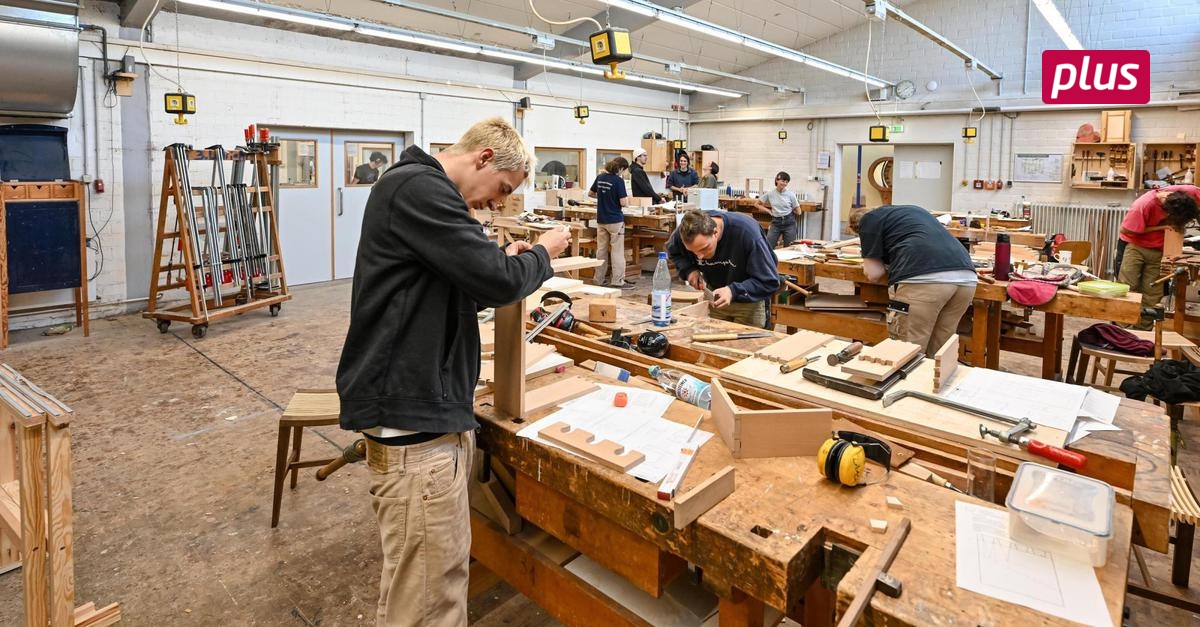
[174, 445]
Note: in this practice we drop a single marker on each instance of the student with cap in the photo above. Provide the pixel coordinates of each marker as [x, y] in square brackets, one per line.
[726, 252]
[637, 176]
[1143, 229]
[931, 280]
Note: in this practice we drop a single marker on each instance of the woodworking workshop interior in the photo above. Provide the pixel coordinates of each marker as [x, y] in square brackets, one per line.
[721, 313]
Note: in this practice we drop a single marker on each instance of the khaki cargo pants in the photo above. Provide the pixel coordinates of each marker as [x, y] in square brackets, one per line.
[934, 310]
[419, 494]
[750, 314]
[1140, 268]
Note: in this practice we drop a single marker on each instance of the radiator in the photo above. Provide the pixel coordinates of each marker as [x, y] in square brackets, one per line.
[1097, 224]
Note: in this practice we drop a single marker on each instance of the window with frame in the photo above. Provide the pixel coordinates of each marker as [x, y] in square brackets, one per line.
[436, 148]
[603, 156]
[365, 161]
[298, 163]
[558, 168]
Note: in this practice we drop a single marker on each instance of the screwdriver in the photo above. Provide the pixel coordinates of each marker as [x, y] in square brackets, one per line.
[796, 364]
[1070, 459]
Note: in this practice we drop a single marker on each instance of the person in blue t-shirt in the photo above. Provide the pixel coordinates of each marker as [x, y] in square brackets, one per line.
[609, 192]
[683, 177]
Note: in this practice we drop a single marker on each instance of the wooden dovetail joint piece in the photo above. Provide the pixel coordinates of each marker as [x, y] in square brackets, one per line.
[606, 452]
[894, 503]
[879, 526]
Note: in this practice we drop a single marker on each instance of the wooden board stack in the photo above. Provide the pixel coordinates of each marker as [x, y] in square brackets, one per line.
[800, 344]
[880, 361]
[945, 361]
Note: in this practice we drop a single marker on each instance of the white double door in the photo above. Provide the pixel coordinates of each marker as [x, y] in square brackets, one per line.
[322, 201]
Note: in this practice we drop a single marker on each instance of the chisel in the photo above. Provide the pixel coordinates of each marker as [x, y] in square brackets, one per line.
[846, 354]
[716, 337]
[796, 364]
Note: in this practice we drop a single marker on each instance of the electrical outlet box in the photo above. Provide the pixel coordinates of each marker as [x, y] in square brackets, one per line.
[543, 42]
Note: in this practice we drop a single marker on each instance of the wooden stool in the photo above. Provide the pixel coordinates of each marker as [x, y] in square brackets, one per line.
[308, 408]
[1185, 512]
[1172, 344]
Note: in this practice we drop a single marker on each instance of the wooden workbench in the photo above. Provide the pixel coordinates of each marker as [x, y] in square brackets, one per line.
[765, 545]
[652, 227]
[1190, 263]
[986, 341]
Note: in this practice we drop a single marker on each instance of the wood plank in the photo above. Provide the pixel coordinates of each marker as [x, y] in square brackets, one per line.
[562, 594]
[509, 360]
[695, 502]
[800, 344]
[607, 453]
[945, 360]
[558, 392]
[60, 520]
[33, 525]
[879, 362]
[784, 432]
[568, 264]
[639, 561]
[10, 511]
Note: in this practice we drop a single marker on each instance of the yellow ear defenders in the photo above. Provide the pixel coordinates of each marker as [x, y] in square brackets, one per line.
[843, 458]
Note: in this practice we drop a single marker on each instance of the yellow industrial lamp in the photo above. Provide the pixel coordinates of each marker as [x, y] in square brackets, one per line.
[782, 135]
[180, 105]
[969, 134]
[581, 113]
[679, 144]
[878, 133]
[610, 47]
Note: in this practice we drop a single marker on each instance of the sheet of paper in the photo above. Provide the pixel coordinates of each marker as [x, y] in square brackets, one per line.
[904, 169]
[649, 402]
[929, 169]
[1085, 427]
[1048, 403]
[788, 254]
[1099, 406]
[1044, 578]
[641, 430]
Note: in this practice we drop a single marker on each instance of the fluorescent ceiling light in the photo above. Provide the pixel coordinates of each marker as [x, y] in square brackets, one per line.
[536, 60]
[684, 86]
[273, 14]
[1050, 11]
[412, 39]
[644, 7]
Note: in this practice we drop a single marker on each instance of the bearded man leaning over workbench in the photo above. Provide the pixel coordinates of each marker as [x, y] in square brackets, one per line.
[931, 280]
[411, 358]
[727, 253]
[1143, 230]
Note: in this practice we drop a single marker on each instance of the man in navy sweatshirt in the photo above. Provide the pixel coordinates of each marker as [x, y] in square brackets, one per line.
[727, 253]
[411, 358]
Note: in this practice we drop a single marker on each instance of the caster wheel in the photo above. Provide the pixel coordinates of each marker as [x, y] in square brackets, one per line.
[274, 309]
[199, 330]
[163, 326]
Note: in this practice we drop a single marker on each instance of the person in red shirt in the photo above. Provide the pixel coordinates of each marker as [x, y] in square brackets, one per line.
[1142, 231]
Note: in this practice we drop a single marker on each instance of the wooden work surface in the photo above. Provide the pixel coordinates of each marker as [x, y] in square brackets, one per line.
[986, 341]
[767, 538]
[665, 221]
[633, 318]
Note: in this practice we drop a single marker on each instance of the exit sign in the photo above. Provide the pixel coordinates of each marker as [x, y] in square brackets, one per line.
[896, 128]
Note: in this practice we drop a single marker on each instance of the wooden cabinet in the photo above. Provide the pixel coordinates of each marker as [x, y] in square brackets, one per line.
[701, 159]
[1090, 163]
[658, 155]
[1168, 161]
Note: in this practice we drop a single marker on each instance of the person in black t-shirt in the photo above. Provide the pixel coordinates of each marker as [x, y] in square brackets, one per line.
[931, 280]
[639, 180]
[367, 173]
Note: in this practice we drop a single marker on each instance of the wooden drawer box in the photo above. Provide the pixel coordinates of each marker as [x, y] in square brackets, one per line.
[14, 192]
[62, 190]
[39, 191]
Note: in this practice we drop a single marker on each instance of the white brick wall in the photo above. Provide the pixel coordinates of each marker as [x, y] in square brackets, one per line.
[277, 82]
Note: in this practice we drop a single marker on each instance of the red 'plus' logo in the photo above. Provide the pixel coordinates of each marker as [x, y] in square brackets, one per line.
[1106, 77]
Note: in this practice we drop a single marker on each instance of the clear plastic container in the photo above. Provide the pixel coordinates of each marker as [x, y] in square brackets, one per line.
[1064, 506]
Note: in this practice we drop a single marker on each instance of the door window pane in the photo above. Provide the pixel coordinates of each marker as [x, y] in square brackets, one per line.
[558, 167]
[299, 162]
[436, 148]
[365, 161]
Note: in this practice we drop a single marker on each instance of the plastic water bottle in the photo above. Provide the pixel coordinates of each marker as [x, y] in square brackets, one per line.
[660, 293]
[685, 387]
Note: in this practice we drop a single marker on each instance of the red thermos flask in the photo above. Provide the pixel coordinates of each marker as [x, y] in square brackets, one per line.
[1003, 256]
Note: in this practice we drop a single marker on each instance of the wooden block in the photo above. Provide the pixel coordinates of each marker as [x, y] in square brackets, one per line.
[768, 433]
[558, 392]
[879, 526]
[509, 396]
[700, 499]
[800, 344]
[567, 264]
[945, 362]
[582, 442]
[698, 309]
[1172, 243]
[894, 503]
[602, 311]
[881, 360]
[491, 500]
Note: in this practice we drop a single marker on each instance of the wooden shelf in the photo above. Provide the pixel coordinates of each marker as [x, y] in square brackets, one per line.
[1090, 160]
[1177, 157]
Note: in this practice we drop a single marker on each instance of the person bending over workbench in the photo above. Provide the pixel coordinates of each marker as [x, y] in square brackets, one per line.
[727, 253]
[1143, 229]
[931, 279]
[410, 362]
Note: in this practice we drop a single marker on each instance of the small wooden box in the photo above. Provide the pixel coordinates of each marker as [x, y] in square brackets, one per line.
[513, 205]
[41, 190]
[602, 311]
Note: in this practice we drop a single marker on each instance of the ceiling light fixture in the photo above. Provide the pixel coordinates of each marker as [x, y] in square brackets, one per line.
[649, 9]
[411, 39]
[272, 13]
[1056, 20]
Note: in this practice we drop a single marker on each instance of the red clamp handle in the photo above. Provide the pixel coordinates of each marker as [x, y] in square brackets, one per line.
[249, 133]
[1070, 459]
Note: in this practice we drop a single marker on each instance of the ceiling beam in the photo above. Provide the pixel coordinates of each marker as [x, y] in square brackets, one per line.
[135, 13]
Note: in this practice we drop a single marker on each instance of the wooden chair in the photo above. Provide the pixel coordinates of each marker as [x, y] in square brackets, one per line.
[1080, 250]
[1106, 361]
[1185, 512]
[308, 408]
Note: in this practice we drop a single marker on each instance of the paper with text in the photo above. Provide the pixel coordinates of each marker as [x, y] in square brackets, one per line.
[1049, 579]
